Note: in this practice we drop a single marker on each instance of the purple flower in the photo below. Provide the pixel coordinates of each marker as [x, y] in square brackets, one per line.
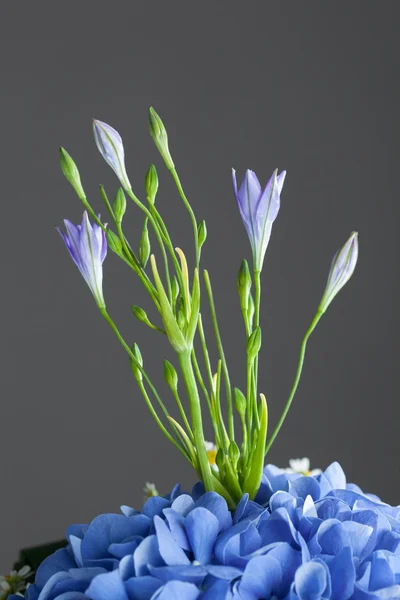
[110, 146]
[87, 246]
[342, 268]
[258, 210]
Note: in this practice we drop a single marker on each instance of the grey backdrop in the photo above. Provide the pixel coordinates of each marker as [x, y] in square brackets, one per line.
[307, 86]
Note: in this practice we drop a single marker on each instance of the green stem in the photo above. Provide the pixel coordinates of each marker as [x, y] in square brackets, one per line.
[113, 326]
[199, 378]
[158, 236]
[222, 356]
[296, 380]
[197, 425]
[190, 211]
[183, 414]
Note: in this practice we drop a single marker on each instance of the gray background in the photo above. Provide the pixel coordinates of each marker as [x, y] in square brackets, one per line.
[307, 86]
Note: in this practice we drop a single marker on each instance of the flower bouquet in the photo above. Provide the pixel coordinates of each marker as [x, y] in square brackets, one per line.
[245, 531]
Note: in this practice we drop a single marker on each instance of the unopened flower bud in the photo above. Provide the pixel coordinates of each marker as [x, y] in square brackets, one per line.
[119, 205]
[160, 137]
[174, 288]
[151, 184]
[110, 146]
[220, 459]
[135, 369]
[141, 315]
[170, 376]
[254, 344]
[144, 246]
[240, 401]
[202, 232]
[71, 173]
[342, 268]
[234, 454]
[114, 243]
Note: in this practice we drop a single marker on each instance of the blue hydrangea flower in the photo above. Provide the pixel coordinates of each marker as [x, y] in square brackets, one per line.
[303, 538]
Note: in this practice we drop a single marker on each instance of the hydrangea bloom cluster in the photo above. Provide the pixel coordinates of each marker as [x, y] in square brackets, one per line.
[302, 538]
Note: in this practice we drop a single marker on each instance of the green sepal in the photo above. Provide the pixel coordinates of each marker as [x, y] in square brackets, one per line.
[71, 173]
[253, 479]
[119, 205]
[174, 334]
[170, 376]
[151, 184]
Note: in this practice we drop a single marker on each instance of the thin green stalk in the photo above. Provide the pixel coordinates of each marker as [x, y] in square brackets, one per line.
[209, 373]
[257, 303]
[183, 414]
[107, 202]
[197, 424]
[159, 422]
[228, 388]
[113, 326]
[200, 379]
[296, 380]
[158, 236]
[190, 211]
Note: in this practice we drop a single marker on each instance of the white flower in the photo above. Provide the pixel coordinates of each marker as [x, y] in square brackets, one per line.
[211, 450]
[301, 466]
[150, 490]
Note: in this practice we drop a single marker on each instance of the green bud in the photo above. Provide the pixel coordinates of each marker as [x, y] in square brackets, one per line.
[202, 232]
[144, 246]
[71, 173]
[181, 316]
[114, 243]
[138, 355]
[174, 289]
[240, 401]
[170, 376]
[234, 454]
[119, 205]
[254, 344]
[151, 184]
[160, 137]
[220, 459]
[250, 310]
[244, 285]
[139, 313]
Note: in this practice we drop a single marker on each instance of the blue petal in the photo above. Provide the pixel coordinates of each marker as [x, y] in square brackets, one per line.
[261, 578]
[107, 586]
[146, 553]
[142, 588]
[311, 581]
[218, 507]
[202, 528]
[343, 575]
[169, 549]
[177, 589]
[61, 560]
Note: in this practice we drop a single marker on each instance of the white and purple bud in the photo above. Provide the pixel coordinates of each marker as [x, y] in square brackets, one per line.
[110, 146]
[342, 268]
[258, 209]
[87, 246]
